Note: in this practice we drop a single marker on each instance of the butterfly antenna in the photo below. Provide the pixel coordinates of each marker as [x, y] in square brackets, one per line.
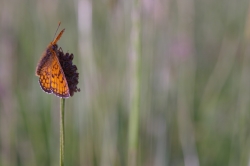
[58, 36]
[57, 29]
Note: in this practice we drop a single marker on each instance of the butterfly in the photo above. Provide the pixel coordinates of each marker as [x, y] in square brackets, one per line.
[49, 70]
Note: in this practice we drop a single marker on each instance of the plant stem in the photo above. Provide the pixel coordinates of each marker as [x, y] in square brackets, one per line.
[135, 60]
[62, 135]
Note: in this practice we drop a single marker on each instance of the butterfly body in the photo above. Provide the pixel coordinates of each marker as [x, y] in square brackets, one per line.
[50, 72]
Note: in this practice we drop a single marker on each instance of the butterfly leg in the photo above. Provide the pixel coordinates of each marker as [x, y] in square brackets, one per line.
[60, 49]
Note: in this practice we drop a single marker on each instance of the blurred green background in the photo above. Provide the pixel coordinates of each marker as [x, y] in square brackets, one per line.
[182, 66]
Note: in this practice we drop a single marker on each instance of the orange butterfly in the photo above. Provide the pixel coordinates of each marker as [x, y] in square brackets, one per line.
[50, 72]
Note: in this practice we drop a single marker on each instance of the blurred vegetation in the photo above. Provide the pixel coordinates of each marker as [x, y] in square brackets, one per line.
[194, 83]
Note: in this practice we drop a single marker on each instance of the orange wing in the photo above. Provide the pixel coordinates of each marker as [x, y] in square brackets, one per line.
[51, 75]
[44, 76]
[59, 84]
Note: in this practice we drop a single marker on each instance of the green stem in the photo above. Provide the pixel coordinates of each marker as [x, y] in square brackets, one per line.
[135, 83]
[62, 135]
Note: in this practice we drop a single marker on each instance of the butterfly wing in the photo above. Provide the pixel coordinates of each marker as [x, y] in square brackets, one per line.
[59, 85]
[44, 73]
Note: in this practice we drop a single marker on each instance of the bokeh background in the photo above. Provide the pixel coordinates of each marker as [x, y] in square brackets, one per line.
[163, 83]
